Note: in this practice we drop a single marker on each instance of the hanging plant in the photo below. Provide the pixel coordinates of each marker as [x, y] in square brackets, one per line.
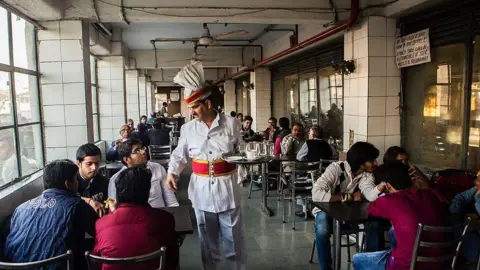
[344, 67]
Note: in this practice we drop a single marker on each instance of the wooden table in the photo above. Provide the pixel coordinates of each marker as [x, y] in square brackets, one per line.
[183, 219]
[351, 212]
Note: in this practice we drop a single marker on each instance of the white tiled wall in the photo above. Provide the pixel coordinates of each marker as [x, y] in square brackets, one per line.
[372, 92]
[63, 87]
[133, 109]
[260, 98]
[111, 82]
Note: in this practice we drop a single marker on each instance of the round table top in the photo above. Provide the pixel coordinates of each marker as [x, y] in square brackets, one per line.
[242, 160]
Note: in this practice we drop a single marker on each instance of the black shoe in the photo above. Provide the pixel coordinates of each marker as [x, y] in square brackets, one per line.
[300, 214]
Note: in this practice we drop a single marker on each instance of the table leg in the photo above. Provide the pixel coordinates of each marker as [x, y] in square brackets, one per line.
[264, 206]
[293, 201]
[338, 245]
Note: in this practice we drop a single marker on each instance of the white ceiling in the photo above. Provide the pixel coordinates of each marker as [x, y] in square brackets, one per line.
[137, 36]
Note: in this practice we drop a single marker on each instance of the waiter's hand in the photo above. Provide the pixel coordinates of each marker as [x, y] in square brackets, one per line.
[172, 182]
[357, 196]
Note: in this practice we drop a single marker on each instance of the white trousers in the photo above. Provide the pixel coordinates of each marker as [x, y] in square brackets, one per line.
[226, 227]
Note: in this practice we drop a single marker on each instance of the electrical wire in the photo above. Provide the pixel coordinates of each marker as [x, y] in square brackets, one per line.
[253, 10]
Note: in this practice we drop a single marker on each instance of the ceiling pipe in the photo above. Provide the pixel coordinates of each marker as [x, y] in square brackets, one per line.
[235, 45]
[354, 10]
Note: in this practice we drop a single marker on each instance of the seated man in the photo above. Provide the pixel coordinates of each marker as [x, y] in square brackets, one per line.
[292, 143]
[405, 208]
[54, 222]
[398, 154]
[464, 203]
[159, 135]
[313, 150]
[247, 132]
[144, 229]
[271, 133]
[132, 153]
[125, 131]
[143, 126]
[92, 186]
[340, 182]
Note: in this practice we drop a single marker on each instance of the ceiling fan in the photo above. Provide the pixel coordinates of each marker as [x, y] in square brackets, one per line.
[206, 39]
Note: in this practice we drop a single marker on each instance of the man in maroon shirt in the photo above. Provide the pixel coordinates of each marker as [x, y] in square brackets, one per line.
[135, 228]
[405, 208]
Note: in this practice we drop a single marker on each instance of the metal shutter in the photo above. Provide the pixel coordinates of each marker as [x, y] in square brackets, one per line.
[452, 24]
[308, 61]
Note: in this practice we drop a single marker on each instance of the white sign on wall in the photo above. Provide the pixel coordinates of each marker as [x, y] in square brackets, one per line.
[174, 95]
[413, 49]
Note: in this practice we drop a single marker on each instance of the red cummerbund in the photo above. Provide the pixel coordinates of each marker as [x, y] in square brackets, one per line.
[214, 168]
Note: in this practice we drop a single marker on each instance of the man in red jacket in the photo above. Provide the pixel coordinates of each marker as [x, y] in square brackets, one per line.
[135, 228]
[405, 208]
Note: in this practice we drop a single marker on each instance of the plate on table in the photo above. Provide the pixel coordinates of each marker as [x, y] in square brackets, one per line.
[233, 157]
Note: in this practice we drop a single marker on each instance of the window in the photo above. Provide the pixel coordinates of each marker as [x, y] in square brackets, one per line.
[308, 99]
[473, 162]
[93, 74]
[331, 103]
[435, 108]
[21, 139]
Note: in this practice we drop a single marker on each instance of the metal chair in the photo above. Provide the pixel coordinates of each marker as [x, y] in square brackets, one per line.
[160, 153]
[303, 188]
[446, 245]
[161, 253]
[348, 245]
[64, 258]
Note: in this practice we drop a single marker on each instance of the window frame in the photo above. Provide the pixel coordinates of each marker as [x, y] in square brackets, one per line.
[12, 69]
[94, 83]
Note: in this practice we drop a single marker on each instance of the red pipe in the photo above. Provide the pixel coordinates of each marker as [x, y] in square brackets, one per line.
[350, 21]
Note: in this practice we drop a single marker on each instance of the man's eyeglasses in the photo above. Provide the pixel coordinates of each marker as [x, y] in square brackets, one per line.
[139, 150]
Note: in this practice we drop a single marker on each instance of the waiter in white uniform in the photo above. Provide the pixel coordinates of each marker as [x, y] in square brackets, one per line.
[213, 188]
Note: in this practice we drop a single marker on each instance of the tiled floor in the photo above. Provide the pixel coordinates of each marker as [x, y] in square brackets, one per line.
[271, 243]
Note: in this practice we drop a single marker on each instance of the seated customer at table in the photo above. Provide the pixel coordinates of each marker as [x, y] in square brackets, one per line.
[125, 131]
[92, 186]
[405, 208]
[292, 143]
[54, 222]
[143, 126]
[144, 229]
[342, 181]
[398, 154]
[283, 132]
[468, 202]
[248, 133]
[315, 148]
[160, 134]
[272, 130]
[132, 153]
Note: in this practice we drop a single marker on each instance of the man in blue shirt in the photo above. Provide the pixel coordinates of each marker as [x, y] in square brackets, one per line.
[469, 202]
[54, 222]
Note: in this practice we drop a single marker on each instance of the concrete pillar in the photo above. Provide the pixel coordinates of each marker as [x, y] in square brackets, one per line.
[64, 59]
[111, 82]
[149, 97]
[142, 95]
[260, 98]
[229, 96]
[372, 92]
[133, 109]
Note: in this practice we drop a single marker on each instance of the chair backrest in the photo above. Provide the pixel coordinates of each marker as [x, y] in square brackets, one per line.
[159, 152]
[450, 247]
[64, 258]
[161, 254]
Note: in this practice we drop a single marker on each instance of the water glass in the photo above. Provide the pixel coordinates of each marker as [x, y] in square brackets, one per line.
[242, 147]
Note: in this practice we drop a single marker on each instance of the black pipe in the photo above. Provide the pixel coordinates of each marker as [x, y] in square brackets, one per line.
[235, 45]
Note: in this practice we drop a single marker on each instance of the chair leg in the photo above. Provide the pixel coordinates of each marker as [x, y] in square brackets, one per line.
[284, 208]
[348, 248]
[313, 250]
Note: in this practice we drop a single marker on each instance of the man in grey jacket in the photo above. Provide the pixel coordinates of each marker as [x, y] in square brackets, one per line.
[345, 181]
